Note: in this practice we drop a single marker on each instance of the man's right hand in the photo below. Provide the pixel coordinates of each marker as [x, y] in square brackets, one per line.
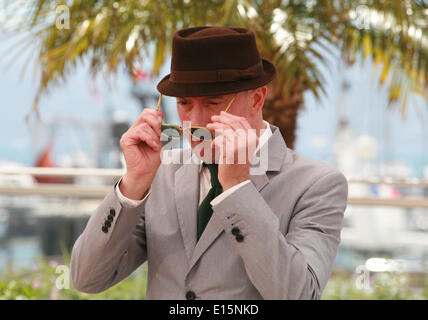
[141, 146]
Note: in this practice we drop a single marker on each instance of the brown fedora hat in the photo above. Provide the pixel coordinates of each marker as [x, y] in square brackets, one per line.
[212, 61]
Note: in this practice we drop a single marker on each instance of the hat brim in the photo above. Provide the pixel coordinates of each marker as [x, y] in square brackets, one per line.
[168, 88]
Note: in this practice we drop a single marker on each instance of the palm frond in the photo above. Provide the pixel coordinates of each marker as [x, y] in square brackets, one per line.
[296, 35]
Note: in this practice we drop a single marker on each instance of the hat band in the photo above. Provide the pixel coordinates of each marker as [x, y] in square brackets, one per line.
[221, 75]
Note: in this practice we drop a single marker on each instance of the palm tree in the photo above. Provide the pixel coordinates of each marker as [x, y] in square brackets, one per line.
[297, 35]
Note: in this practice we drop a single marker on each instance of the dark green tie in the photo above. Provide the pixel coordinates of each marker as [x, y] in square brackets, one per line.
[205, 210]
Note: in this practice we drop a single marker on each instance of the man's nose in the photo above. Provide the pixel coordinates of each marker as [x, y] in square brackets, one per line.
[200, 115]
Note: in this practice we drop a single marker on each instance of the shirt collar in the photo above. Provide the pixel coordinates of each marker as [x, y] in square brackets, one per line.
[264, 137]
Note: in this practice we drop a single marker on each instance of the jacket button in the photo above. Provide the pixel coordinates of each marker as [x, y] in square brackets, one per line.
[239, 237]
[113, 212]
[105, 229]
[235, 231]
[110, 218]
[190, 295]
[107, 224]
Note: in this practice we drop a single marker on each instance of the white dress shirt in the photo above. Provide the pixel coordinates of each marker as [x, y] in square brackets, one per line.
[204, 179]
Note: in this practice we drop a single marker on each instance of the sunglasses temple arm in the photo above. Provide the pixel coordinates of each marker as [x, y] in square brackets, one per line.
[159, 102]
[230, 103]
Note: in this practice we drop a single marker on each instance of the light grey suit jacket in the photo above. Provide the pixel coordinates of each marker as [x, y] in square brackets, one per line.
[289, 220]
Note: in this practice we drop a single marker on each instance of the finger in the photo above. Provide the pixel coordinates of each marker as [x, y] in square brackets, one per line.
[231, 139]
[135, 136]
[234, 121]
[221, 128]
[150, 121]
[218, 126]
[219, 143]
[147, 128]
[237, 141]
[158, 113]
[243, 121]
[145, 137]
[146, 112]
[154, 122]
[226, 148]
[145, 133]
[227, 121]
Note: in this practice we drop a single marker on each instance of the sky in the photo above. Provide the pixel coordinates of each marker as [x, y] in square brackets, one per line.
[77, 108]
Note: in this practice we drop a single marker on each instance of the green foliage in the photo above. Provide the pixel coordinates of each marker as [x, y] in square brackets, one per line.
[384, 286]
[40, 283]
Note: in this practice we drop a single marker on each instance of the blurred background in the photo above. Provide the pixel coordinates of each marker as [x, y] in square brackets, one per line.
[351, 92]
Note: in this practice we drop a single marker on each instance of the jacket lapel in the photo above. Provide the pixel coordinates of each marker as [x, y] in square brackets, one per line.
[186, 186]
[276, 153]
[214, 227]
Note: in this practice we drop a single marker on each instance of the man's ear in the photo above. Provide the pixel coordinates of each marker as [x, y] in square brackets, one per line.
[257, 99]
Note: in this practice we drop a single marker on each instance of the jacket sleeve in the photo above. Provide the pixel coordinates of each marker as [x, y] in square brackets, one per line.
[104, 255]
[294, 263]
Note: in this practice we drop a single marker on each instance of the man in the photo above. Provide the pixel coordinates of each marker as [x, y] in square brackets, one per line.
[212, 228]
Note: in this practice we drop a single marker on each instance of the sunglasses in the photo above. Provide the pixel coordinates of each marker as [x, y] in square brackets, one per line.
[173, 131]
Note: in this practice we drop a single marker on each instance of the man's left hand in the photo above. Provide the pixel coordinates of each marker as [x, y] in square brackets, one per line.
[236, 141]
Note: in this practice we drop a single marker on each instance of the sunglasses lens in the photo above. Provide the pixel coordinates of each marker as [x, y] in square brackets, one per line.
[201, 133]
[171, 131]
